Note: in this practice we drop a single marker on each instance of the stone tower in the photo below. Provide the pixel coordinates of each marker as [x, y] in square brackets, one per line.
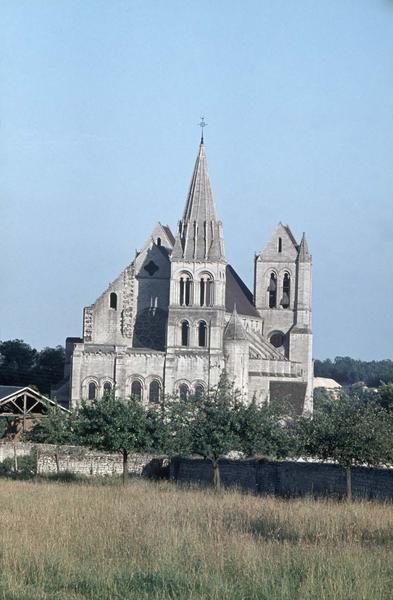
[196, 313]
[282, 292]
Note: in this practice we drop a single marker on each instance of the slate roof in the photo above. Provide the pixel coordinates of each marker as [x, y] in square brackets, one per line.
[237, 293]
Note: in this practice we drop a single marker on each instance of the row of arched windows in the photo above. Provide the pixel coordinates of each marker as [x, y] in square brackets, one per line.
[185, 390]
[92, 390]
[201, 334]
[154, 391]
[186, 290]
[286, 291]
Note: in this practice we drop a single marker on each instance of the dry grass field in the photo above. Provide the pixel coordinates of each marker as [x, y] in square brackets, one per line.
[89, 540]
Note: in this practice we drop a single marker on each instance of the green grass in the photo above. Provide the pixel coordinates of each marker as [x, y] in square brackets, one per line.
[82, 540]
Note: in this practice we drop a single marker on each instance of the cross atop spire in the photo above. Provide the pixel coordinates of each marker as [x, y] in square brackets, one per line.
[202, 125]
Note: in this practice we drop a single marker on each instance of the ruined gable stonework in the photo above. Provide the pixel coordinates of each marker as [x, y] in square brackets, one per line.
[179, 315]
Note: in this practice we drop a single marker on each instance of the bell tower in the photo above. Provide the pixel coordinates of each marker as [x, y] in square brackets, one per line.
[282, 291]
[196, 316]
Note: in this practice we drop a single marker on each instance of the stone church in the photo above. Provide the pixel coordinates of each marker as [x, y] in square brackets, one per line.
[179, 315]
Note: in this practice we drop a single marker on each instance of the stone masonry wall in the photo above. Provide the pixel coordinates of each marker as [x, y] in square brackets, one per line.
[77, 460]
[287, 478]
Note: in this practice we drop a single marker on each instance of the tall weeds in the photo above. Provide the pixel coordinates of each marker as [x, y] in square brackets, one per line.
[83, 540]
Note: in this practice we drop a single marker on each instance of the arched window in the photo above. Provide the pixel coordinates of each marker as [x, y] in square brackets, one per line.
[107, 388]
[185, 333]
[272, 291]
[202, 334]
[136, 390]
[206, 291]
[154, 392]
[183, 391]
[92, 392]
[199, 390]
[279, 244]
[113, 300]
[158, 241]
[286, 291]
[185, 290]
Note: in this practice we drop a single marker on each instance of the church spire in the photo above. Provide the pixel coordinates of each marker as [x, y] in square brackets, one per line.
[200, 232]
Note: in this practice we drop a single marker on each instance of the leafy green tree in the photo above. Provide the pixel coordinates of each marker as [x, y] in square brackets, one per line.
[57, 427]
[352, 433]
[48, 368]
[263, 432]
[384, 397]
[113, 425]
[22, 365]
[157, 429]
[206, 424]
[17, 360]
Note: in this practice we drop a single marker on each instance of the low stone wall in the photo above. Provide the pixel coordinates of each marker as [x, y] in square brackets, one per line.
[287, 478]
[10, 449]
[80, 460]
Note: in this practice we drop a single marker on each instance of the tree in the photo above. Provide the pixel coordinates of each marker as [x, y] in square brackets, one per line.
[206, 424]
[384, 397]
[263, 432]
[17, 360]
[347, 371]
[113, 425]
[352, 433]
[157, 430]
[48, 368]
[22, 365]
[57, 427]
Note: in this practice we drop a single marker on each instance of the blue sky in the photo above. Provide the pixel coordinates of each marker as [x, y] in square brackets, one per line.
[99, 106]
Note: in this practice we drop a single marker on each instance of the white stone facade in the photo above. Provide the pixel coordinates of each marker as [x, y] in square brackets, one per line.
[179, 315]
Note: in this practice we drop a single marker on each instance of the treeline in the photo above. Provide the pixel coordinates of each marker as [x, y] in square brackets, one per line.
[349, 430]
[21, 365]
[347, 371]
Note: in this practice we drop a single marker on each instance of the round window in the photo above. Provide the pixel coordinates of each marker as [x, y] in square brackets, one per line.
[277, 339]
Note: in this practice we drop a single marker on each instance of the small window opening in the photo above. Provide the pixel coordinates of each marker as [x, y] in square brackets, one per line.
[136, 390]
[272, 291]
[202, 292]
[185, 333]
[202, 334]
[279, 244]
[206, 291]
[158, 241]
[92, 395]
[185, 291]
[184, 391]
[286, 291]
[199, 390]
[113, 300]
[154, 392]
[107, 388]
